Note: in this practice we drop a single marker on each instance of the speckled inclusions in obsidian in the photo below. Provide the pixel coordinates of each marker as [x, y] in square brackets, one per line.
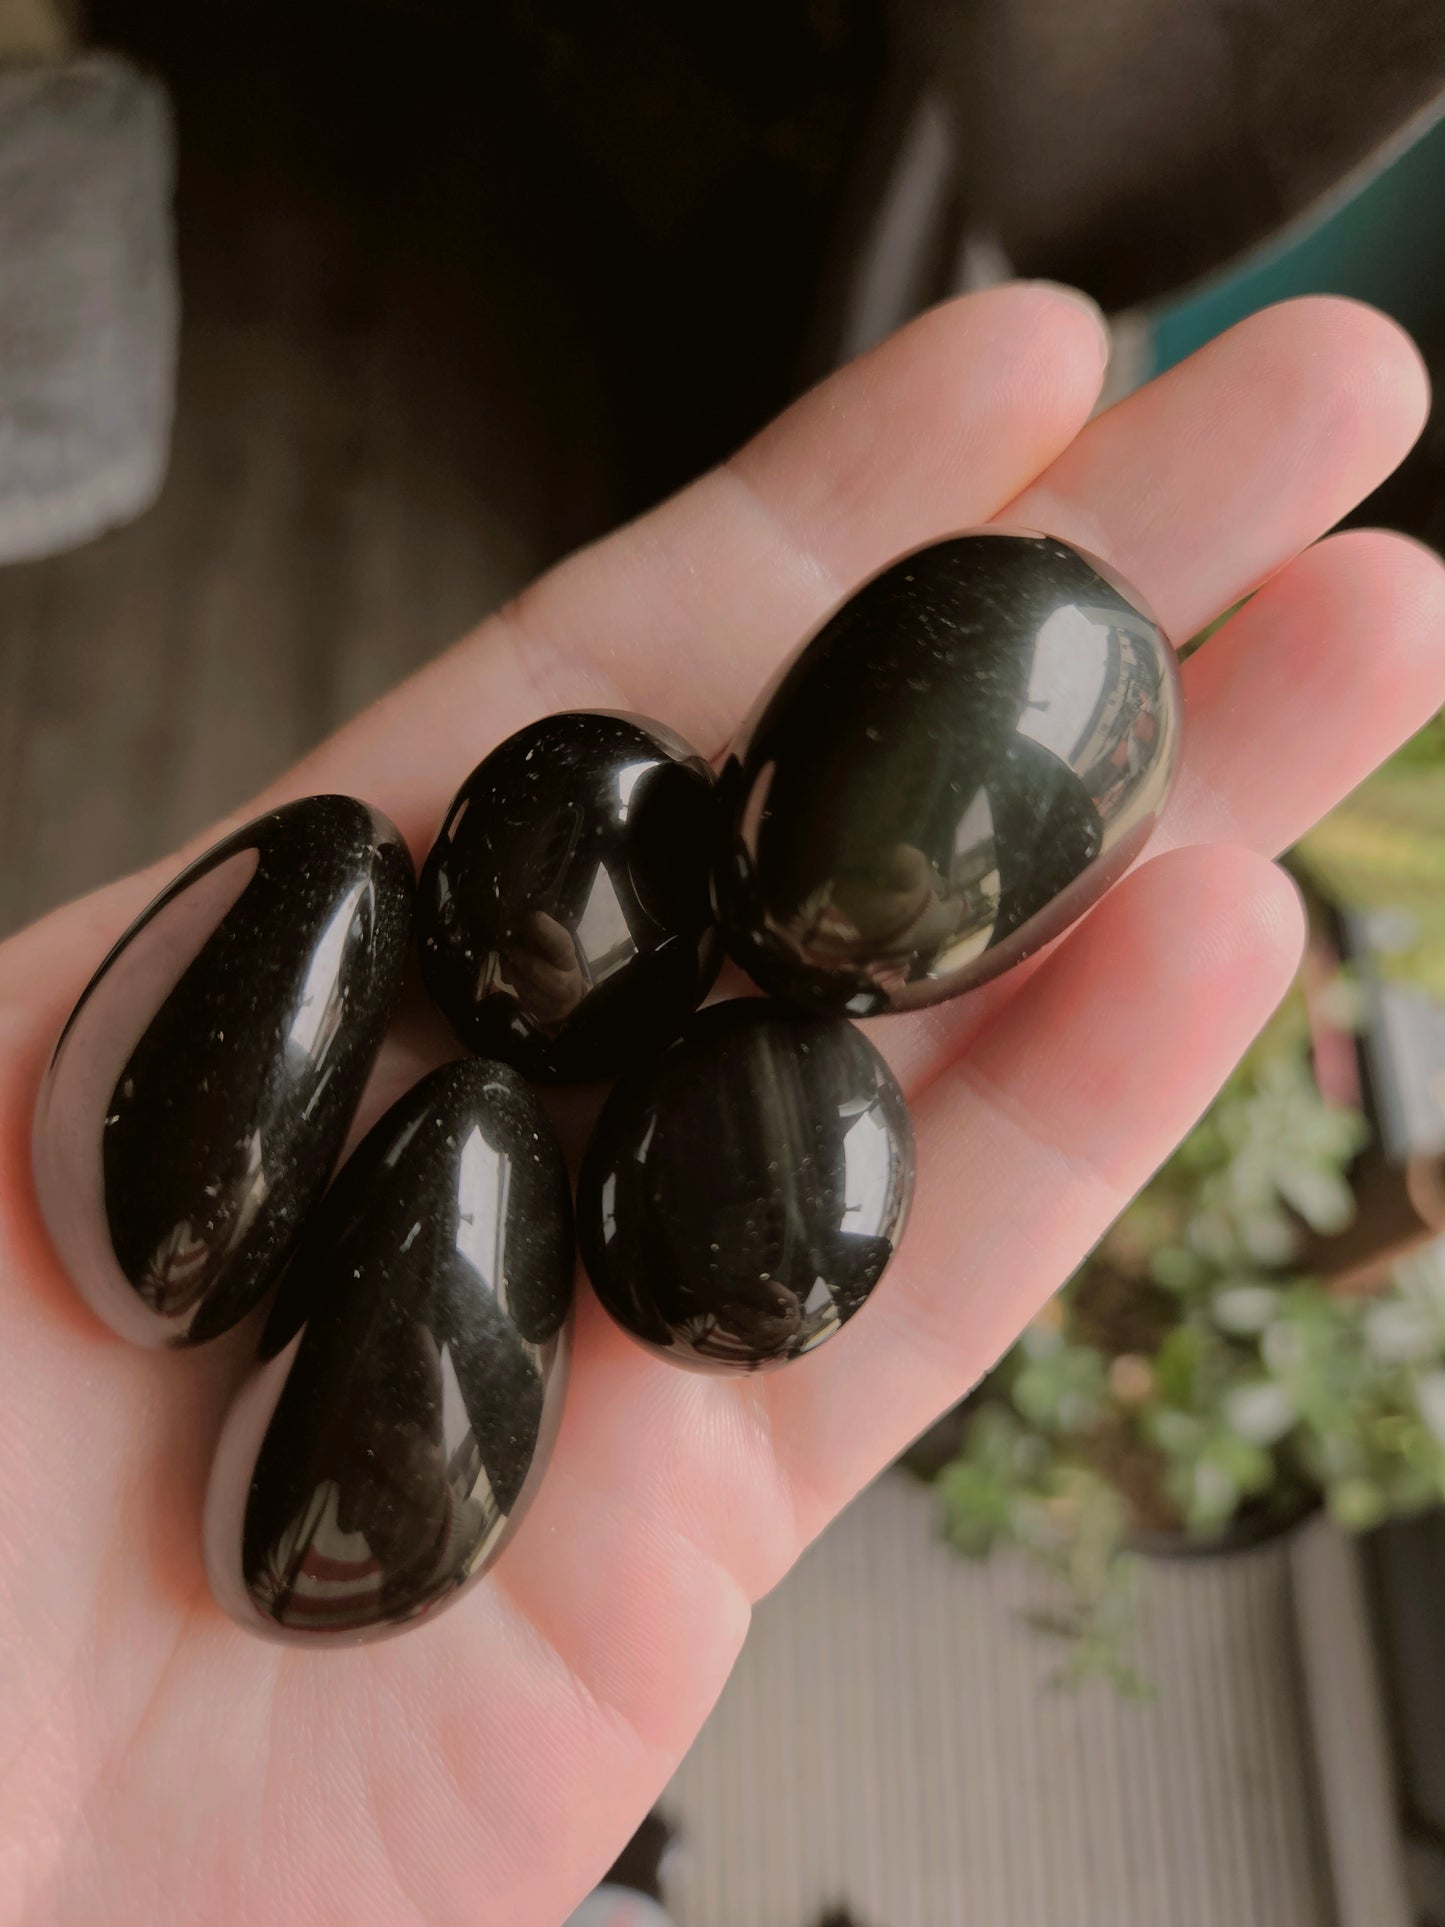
[203, 1086]
[742, 1195]
[955, 767]
[412, 1370]
[563, 917]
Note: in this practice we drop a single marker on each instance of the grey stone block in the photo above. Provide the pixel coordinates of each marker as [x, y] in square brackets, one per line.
[88, 300]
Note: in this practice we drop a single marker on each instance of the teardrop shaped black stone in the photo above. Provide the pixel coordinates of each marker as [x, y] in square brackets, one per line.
[563, 916]
[412, 1375]
[958, 764]
[742, 1195]
[203, 1086]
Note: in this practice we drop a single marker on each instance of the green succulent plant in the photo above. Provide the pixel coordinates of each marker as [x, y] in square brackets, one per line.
[1383, 849]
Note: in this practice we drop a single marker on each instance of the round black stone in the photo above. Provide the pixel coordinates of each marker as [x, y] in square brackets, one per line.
[412, 1371]
[203, 1086]
[742, 1195]
[958, 764]
[563, 916]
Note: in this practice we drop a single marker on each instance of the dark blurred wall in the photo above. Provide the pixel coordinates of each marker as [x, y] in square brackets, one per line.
[658, 216]
[641, 193]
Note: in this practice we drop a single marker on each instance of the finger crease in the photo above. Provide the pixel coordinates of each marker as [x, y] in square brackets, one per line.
[1078, 1165]
[810, 563]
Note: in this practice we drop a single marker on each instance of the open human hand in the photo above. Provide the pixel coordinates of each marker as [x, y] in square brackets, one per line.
[159, 1765]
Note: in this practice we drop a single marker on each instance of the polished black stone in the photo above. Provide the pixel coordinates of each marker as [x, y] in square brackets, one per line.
[563, 918]
[741, 1196]
[959, 763]
[412, 1371]
[203, 1086]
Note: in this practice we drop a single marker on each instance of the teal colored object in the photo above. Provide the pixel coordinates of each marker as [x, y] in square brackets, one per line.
[1384, 244]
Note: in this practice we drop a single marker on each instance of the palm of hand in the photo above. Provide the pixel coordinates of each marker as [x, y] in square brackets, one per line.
[158, 1764]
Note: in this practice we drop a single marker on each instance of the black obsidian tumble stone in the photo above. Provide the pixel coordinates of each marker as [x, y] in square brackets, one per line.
[563, 916]
[742, 1195]
[202, 1088]
[959, 763]
[412, 1371]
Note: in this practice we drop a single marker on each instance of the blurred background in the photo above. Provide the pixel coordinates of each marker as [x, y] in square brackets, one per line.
[324, 326]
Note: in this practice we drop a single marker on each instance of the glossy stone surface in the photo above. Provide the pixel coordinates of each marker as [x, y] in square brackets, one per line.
[959, 763]
[741, 1196]
[412, 1371]
[202, 1089]
[563, 916]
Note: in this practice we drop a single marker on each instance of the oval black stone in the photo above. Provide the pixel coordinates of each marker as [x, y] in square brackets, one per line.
[563, 916]
[958, 764]
[741, 1197]
[203, 1086]
[412, 1375]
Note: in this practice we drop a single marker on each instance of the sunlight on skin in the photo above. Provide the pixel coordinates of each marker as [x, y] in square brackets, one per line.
[157, 1764]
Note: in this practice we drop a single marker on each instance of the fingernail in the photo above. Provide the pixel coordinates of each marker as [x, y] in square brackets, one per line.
[1087, 303]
